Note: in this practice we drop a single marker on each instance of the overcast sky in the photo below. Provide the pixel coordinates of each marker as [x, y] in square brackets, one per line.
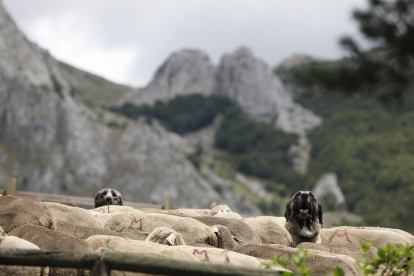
[127, 40]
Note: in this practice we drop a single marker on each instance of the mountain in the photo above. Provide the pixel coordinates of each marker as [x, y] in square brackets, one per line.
[53, 142]
[184, 73]
[240, 76]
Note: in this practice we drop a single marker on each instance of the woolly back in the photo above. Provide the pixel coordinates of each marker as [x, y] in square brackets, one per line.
[73, 215]
[378, 238]
[83, 232]
[269, 230]
[238, 228]
[15, 212]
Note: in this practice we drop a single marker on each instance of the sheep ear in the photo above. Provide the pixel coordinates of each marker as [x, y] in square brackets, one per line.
[171, 239]
[287, 213]
[320, 214]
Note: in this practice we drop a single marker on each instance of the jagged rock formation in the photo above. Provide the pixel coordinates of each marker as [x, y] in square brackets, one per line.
[185, 72]
[245, 79]
[327, 189]
[249, 82]
[53, 143]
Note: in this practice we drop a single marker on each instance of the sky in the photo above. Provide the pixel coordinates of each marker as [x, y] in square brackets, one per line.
[125, 41]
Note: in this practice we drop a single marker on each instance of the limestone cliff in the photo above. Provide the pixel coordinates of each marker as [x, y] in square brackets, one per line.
[250, 83]
[242, 77]
[53, 143]
[185, 72]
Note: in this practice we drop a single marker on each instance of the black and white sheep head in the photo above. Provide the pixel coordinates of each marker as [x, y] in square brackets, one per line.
[108, 196]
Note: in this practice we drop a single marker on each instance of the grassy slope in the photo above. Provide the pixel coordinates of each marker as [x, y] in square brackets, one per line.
[92, 89]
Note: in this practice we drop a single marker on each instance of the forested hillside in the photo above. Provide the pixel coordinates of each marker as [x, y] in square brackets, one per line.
[369, 145]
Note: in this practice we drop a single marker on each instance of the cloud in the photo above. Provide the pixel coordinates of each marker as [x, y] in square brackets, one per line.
[125, 41]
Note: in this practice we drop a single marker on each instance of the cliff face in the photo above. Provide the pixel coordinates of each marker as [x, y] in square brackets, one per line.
[245, 79]
[186, 72]
[53, 143]
[250, 83]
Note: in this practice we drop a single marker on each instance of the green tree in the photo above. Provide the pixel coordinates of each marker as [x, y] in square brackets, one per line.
[386, 71]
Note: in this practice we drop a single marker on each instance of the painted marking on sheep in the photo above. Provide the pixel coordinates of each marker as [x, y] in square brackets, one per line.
[35, 238]
[136, 221]
[207, 259]
[336, 250]
[101, 210]
[337, 233]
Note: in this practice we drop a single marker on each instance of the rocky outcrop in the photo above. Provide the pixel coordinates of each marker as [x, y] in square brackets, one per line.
[327, 189]
[53, 143]
[183, 73]
[250, 83]
[242, 77]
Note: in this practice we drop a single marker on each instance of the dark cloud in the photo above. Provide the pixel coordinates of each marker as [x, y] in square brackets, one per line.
[126, 40]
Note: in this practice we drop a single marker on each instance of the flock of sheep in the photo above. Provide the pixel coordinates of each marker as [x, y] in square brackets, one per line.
[216, 236]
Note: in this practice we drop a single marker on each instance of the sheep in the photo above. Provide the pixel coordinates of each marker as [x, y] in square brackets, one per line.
[238, 228]
[180, 212]
[103, 217]
[31, 198]
[113, 209]
[15, 242]
[345, 235]
[191, 230]
[73, 215]
[229, 215]
[15, 212]
[321, 263]
[398, 231]
[183, 252]
[351, 250]
[219, 209]
[269, 230]
[83, 232]
[165, 235]
[48, 239]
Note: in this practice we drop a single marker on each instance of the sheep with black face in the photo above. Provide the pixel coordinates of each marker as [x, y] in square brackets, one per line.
[108, 196]
[304, 218]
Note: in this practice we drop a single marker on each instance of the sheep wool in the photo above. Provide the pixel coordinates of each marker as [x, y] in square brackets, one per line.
[166, 236]
[15, 242]
[181, 212]
[114, 209]
[238, 228]
[15, 212]
[191, 230]
[219, 208]
[269, 230]
[398, 231]
[74, 215]
[83, 232]
[229, 215]
[378, 238]
[118, 244]
[48, 239]
[352, 250]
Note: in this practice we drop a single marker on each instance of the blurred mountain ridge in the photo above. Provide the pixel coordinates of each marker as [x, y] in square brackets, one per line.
[53, 141]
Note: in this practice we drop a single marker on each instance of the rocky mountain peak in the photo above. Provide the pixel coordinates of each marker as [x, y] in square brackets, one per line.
[250, 82]
[53, 143]
[20, 59]
[183, 73]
